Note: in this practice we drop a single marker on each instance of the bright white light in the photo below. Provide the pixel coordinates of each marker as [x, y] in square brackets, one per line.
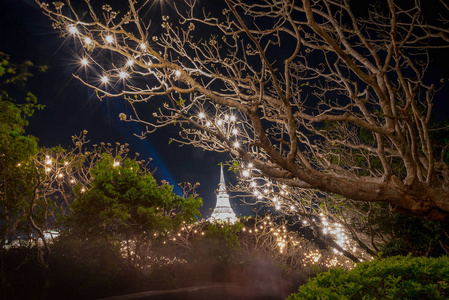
[130, 62]
[109, 39]
[87, 41]
[84, 62]
[116, 163]
[233, 118]
[219, 122]
[123, 74]
[104, 79]
[284, 186]
[245, 173]
[236, 144]
[235, 131]
[207, 123]
[278, 207]
[83, 190]
[201, 115]
[143, 46]
[72, 29]
[177, 73]
[48, 162]
[47, 170]
[250, 165]
[60, 175]
[253, 184]
[226, 117]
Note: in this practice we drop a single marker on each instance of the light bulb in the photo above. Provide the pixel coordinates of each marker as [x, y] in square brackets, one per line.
[201, 115]
[87, 41]
[109, 39]
[123, 74]
[72, 29]
[84, 62]
[104, 79]
[130, 62]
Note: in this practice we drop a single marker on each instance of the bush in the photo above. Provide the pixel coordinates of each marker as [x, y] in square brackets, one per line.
[398, 277]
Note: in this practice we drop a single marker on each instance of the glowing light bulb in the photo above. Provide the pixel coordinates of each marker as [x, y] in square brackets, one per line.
[72, 29]
[177, 73]
[226, 117]
[84, 62]
[19, 165]
[60, 175]
[48, 162]
[109, 39]
[88, 41]
[123, 74]
[253, 184]
[236, 145]
[83, 190]
[201, 115]
[278, 207]
[233, 118]
[72, 181]
[235, 131]
[104, 79]
[143, 46]
[47, 170]
[245, 173]
[250, 165]
[219, 122]
[130, 62]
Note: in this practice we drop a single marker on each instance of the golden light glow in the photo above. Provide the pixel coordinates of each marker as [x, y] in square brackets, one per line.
[88, 41]
[72, 29]
[109, 39]
[104, 79]
[123, 74]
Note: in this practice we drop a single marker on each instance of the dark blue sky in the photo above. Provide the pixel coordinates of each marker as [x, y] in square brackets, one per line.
[26, 34]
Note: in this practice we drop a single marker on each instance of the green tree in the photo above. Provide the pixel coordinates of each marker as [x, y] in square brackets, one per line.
[126, 206]
[16, 148]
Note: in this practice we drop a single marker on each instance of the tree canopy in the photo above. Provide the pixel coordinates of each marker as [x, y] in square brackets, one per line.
[311, 94]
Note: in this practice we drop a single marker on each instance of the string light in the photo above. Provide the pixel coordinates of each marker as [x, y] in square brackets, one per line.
[84, 62]
[130, 62]
[123, 74]
[104, 79]
[236, 145]
[88, 41]
[143, 46]
[233, 118]
[177, 73]
[245, 173]
[72, 29]
[235, 131]
[201, 115]
[109, 39]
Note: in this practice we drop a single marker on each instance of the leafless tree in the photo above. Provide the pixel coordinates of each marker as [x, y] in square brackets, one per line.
[313, 94]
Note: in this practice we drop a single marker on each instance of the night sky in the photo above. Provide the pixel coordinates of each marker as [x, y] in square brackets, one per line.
[26, 34]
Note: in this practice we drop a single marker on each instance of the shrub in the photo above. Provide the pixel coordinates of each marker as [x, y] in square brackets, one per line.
[398, 277]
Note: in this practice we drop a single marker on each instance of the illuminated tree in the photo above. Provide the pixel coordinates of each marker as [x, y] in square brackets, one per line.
[311, 94]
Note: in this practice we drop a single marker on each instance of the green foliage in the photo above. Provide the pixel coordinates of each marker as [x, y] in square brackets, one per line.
[223, 241]
[126, 200]
[17, 175]
[396, 277]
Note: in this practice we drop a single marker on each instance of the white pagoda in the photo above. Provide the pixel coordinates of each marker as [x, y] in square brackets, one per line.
[223, 210]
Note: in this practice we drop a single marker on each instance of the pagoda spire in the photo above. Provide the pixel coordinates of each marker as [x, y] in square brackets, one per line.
[223, 211]
[222, 186]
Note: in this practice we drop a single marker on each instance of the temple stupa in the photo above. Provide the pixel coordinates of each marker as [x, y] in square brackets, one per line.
[223, 210]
